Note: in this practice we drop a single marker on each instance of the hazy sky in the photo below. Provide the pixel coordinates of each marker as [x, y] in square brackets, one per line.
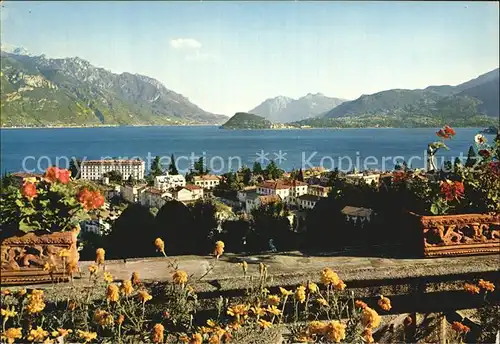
[230, 56]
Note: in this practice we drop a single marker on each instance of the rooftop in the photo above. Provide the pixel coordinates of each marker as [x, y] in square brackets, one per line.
[192, 187]
[22, 174]
[207, 177]
[112, 162]
[269, 199]
[310, 198]
[356, 211]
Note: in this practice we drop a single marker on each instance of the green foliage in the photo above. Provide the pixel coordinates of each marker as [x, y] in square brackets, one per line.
[172, 168]
[199, 167]
[242, 120]
[114, 176]
[257, 168]
[156, 168]
[272, 171]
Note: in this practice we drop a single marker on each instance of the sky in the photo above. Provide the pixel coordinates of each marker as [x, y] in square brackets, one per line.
[230, 56]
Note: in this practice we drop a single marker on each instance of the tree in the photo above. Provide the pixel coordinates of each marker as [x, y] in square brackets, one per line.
[199, 167]
[131, 180]
[272, 171]
[300, 175]
[247, 175]
[257, 168]
[125, 241]
[156, 169]
[174, 223]
[471, 157]
[172, 168]
[114, 176]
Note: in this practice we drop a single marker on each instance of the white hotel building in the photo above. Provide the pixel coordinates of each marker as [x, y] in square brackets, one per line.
[94, 169]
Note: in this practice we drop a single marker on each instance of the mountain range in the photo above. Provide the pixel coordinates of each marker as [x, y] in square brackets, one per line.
[283, 109]
[472, 103]
[40, 91]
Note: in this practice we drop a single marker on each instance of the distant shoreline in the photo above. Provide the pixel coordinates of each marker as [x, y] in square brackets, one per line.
[110, 126]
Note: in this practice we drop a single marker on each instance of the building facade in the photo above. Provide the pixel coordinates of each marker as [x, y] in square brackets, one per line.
[95, 169]
[169, 181]
[318, 190]
[207, 181]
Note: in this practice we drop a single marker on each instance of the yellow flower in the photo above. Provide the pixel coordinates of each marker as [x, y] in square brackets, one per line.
[264, 324]
[87, 336]
[158, 333]
[35, 302]
[112, 293]
[384, 303]
[244, 266]
[99, 256]
[126, 288]
[273, 310]
[37, 335]
[92, 269]
[335, 331]
[135, 278]
[8, 313]
[64, 253]
[258, 311]
[273, 300]
[340, 285]
[211, 323]
[238, 311]
[313, 287]
[370, 318]
[120, 319]
[108, 278]
[367, 335]
[322, 302]
[487, 285]
[180, 277]
[61, 332]
[317, 327]
[190, 289]
[196, 339]
[329, 277]
[103, 318]
[285, 292]
[144, 296]
[219, 249]
[12, 334]
[471, 288]
[6, 292]
[160, 245]
[21, 292]
[303, 338]
[300, 294]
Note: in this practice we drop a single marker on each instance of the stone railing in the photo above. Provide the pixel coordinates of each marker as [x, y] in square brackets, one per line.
[430, 287]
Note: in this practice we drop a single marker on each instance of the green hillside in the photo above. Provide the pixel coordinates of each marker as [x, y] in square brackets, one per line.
[243, 120]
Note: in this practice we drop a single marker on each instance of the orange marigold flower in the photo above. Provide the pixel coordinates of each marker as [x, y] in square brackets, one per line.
[92, 269]
[135, 278]
[219, 249]
[329, 277]
[273, 300]
[196, 339]
[370, 318]
[300, 294]
[312, 287]
[180, 277]
[37, 335]
[108, 278]
[471, 288]
[11, 334]
[103, 318]
[322, 302]
[112, 293]
[99, 256]
[340, 286]
[285, 292]
[335, 331]
[120, 319]
[87, 336]
[158, 333]
[35, 302]
[486, 285]
[384, 303]
[459, 327]
[367, 335]
[28, 190]
[273, 310]
[126, 288]
[360, 304]
[160, 245]
[144, 296]
[61, 332]
[317, 327]
[264, 324]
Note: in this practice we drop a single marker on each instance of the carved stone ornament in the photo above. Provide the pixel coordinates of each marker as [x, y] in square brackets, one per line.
[38, 258]
[458, 235]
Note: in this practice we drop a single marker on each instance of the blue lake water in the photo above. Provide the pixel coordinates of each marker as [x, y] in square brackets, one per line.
[35, 149]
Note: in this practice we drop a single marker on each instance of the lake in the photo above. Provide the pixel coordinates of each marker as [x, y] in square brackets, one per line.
[35, 149]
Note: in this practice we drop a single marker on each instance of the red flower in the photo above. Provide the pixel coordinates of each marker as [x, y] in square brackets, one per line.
[484, 153]
[90, 199]
[495, 167]
[449, 130]
[452, 190]
[446, 132]
[398, 176]
[29, 190]
[54, 174]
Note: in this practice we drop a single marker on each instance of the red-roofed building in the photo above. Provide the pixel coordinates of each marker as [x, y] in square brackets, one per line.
[207, 181]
